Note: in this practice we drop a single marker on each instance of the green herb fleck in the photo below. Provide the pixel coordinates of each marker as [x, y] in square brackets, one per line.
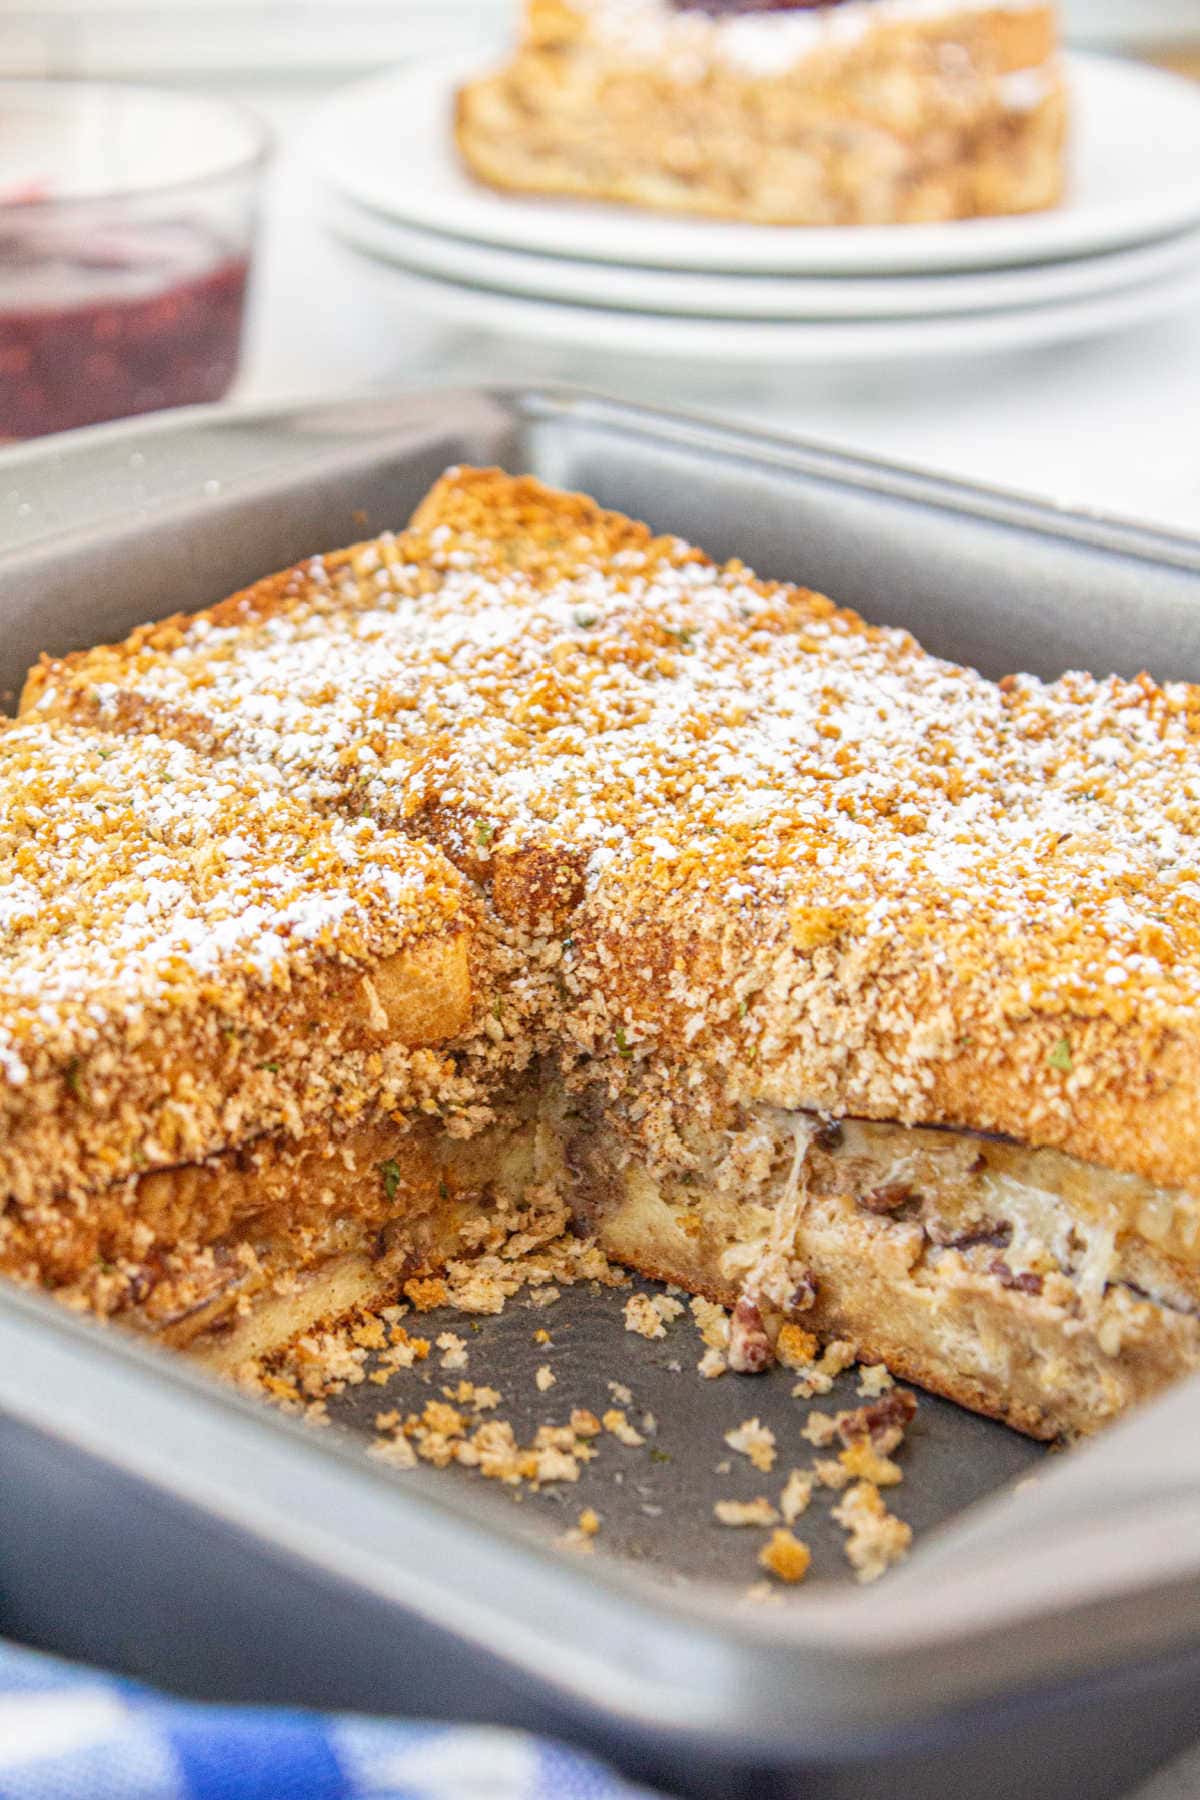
[743, 1009]
[484, 833]
[623, 1045]
[497, 1007]
[443, 1190]
[1060, 1057]
[71, 1076]
[390, 1171]
[657, 1455]
[585, 619]
[271, 1067]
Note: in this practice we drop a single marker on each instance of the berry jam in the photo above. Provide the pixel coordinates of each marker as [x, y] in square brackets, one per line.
[128, 321]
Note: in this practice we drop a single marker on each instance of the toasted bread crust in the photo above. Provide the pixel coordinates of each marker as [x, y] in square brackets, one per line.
[189, 959]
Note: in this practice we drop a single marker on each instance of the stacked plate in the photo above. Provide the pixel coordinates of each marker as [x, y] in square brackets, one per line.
[1125, 247]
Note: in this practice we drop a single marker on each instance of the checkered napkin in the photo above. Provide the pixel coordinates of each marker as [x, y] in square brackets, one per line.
[73, 1734]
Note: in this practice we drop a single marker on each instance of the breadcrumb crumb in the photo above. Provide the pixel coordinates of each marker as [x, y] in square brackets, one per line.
[712, 1322]
[877, 1538]
[454, 1350]
[746, 1512]
[642, 1317]
[795, 1348]
[819, 1377]
[862, 1462]
[786, 1557]
[426, 1292]
[614, 1421]
[796, 1496]
[397, 1452]
[756, 1441]
[819, 1429]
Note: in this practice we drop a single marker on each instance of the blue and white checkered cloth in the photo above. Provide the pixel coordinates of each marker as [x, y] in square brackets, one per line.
[73, 1734]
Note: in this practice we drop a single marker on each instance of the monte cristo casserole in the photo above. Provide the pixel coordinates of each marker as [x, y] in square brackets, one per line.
[778, 112]
[528, 852]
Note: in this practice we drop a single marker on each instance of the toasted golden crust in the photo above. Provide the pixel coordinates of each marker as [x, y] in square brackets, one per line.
[190, 959]
[804, 855]
[867, 114]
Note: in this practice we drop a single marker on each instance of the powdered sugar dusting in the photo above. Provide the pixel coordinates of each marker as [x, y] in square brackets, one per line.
[764, 44]
[134, 874]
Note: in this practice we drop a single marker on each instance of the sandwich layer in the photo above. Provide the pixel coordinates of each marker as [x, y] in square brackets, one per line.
[190, 960]
[1022, 1283]
[253, 1240]
[872, 112]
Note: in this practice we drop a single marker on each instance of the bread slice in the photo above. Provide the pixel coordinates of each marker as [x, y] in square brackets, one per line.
[859, 112]
[193, 968]
[762, 863]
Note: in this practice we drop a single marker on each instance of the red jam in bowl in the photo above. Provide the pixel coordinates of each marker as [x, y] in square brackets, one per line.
[101, 325]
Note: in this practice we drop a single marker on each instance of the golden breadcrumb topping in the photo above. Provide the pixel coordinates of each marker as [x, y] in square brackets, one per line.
[793, 849]
[138, 879]
[191, 959]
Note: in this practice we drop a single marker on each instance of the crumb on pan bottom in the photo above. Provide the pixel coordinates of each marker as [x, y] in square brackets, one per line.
[437, 1398]
[1015, 1282]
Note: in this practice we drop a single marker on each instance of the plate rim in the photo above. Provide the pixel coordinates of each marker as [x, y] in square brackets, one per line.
[628, 235]
[698, 294]
[750, 342]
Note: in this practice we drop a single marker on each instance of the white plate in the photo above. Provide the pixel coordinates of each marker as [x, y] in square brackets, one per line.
[775, 344]
[775, 297]
[386, 143]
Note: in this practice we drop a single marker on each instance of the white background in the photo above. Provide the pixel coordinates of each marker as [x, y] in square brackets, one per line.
[242, 36]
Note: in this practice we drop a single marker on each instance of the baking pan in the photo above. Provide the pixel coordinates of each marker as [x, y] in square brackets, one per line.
[1045, 1635]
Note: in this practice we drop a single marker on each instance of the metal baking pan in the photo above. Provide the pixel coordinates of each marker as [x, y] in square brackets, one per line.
[1044, 1636]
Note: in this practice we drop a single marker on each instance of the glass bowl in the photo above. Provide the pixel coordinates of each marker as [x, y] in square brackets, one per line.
[127, 220]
